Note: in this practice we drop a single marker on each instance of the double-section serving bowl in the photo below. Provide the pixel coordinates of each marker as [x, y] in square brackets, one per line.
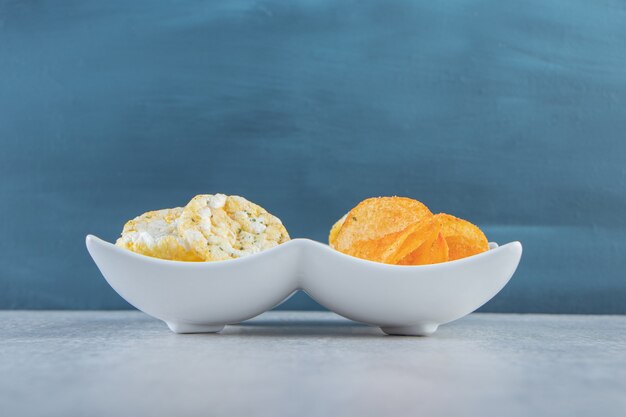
[202, 297]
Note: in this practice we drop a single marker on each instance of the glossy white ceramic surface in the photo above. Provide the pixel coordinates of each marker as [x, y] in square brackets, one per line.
[196, 297]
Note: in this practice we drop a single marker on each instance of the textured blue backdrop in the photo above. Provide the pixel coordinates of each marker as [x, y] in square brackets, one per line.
[512, 115]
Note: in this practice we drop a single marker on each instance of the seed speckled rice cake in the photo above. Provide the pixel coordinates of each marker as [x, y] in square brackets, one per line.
[221, 227]
[155, 234]
[209, 228]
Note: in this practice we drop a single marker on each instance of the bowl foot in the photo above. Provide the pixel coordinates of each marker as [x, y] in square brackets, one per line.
[425, 329]
[179, 327]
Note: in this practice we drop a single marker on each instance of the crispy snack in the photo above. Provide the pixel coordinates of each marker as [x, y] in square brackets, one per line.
[218, 227]
[155, 234]
[383, 229]
[334, 231]
[432, 251]
[375, 218]
[209, 228]
[463, 238]
[383, 249]
[409, 240]
[402, 231]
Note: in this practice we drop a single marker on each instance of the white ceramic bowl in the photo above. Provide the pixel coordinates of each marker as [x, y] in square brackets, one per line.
[196, 297]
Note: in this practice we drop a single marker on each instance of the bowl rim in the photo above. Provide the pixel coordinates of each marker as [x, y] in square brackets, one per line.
[91, 240]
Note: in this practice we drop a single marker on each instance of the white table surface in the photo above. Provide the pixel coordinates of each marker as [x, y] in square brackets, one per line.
[310, 364]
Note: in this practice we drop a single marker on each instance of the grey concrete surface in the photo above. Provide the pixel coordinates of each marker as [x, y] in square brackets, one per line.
[310, 364]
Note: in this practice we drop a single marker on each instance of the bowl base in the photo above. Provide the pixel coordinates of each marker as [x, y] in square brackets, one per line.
[425, 329]
[179, 327]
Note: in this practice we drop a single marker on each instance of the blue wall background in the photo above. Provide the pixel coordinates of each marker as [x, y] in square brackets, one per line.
[512, 115]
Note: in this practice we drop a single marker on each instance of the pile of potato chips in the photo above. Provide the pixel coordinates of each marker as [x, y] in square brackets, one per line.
[403, 231]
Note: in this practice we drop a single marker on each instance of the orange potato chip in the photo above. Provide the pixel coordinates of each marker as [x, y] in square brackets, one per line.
[395, 246]
[433, 251]
[377, 250]
[399, 230]
[334, 231]
[417, 235]
[374, 222]
[463, 238]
